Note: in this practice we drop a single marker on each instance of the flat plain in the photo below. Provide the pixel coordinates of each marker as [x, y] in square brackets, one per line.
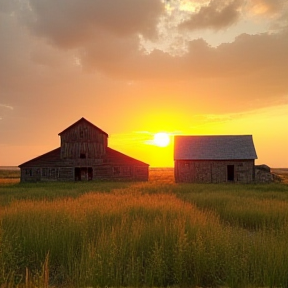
[156, 233]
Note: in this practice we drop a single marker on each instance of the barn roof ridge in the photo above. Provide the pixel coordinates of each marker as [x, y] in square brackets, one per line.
[80, 120]
[214, 147]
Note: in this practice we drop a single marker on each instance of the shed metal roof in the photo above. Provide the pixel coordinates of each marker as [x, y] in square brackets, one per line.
[224, 147]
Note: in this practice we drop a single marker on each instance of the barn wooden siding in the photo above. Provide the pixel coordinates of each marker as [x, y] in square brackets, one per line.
[123, 172]
[101, 172]
[83, 140]
[201, 171]
[83, 155]
[47, 174]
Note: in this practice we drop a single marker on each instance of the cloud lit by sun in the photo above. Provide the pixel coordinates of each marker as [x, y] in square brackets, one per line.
[183, 5]
[183, 59]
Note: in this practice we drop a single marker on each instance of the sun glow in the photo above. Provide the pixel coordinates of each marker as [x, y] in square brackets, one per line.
[161, 139]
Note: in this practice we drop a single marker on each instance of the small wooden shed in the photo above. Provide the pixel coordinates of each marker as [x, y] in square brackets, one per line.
[214, 159]
[83, 155]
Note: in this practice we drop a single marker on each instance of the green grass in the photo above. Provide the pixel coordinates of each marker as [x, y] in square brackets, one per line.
[251, 207]
[11, 191]
[143, 234]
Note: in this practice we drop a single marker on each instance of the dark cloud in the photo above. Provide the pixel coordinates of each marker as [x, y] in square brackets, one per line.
[61, 60]
[247, 55]
[111, 55]
[7, 6]
[71, 23]
[217, 15]
[30, 69]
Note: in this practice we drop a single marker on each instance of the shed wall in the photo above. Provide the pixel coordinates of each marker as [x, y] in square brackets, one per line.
[209, 171]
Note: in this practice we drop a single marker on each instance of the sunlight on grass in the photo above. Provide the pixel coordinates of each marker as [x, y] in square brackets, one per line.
[154, 233]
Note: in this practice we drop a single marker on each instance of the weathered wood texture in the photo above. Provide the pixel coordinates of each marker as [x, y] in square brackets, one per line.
[29, 174]
[100, 172]
[123, 172]
[83, 140]
[201, 171]
[83, 155]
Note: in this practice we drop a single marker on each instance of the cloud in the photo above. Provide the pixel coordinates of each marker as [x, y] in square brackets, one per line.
[216, 15]
[74, 58]
[267, 7]
[249, 56]
[72, 23]
[206, 120]
[36, 72]
[6, 106]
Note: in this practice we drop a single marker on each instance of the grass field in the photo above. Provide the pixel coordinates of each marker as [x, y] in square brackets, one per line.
[149, 234]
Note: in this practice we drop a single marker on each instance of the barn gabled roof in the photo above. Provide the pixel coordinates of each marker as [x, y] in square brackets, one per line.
[224, 147]
[53, 159]
[50, 158]
[79, 121]
[116, 157]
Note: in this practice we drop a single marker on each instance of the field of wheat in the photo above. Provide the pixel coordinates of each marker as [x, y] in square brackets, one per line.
[150, 234]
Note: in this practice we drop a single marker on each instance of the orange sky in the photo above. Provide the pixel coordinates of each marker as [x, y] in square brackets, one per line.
[135, 68]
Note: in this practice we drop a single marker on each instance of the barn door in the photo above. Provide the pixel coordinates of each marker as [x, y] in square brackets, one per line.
[77, 174]
[90, 173]
[230, 172]
[83, 173]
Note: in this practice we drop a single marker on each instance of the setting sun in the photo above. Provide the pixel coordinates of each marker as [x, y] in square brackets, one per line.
[162, 68]
[161, 139]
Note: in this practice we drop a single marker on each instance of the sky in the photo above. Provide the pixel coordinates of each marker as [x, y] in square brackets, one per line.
[138, 67]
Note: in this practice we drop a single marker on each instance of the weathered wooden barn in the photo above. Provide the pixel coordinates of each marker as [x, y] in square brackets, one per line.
[214, 159]
[83, 155]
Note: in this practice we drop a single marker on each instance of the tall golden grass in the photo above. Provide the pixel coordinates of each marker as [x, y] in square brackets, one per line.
[154, 233]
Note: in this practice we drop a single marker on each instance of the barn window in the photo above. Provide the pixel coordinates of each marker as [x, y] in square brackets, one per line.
[82, 155]
[53, 173]
[28, 172]
[44, 172]
[81, 134]
[116, 170]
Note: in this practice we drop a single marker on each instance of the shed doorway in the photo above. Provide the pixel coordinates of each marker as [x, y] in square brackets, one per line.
[230, 172]
[83, 173]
